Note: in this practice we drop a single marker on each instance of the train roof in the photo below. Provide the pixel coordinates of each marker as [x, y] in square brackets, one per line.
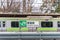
[27, 18]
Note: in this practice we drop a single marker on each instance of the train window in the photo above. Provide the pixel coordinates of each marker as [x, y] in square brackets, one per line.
[46, 24]
[30, 22]
[14, 24]
[3, 23]
[0, 24]
[58, 23]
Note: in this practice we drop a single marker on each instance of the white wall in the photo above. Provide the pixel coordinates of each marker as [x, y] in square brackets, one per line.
[8, 24]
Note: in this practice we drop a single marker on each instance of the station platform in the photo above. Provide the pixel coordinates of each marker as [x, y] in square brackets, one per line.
[42, 35]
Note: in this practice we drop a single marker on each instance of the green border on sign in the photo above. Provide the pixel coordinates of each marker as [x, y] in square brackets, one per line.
[22, 23]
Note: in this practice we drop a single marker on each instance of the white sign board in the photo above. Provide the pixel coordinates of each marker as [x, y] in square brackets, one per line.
[35, 24]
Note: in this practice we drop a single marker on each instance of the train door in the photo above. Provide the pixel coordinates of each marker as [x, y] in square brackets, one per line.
[2, 25]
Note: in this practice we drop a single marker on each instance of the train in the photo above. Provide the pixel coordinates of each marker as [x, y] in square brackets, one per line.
[29, 24]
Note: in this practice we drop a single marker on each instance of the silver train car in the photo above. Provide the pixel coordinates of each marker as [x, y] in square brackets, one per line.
[33, 24]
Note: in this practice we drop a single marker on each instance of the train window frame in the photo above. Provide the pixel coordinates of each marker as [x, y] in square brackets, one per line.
[47, 24]
[15, 25]
[58, 23]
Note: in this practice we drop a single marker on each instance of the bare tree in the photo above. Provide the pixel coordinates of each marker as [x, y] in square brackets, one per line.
[29, 9]
[24, 5]
[11, 6]
[29, 6]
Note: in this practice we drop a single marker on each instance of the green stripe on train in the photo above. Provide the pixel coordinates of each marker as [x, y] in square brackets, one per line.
[24, 29]
[46, 29]
[12, 29]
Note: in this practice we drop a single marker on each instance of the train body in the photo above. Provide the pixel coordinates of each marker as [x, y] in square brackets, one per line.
[29, 24]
